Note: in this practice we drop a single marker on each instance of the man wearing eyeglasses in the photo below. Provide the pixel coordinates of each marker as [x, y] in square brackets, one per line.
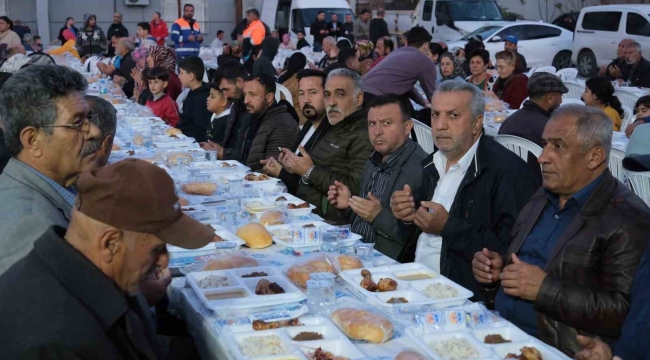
[48, 134]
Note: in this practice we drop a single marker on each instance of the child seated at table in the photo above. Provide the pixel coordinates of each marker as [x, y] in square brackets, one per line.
[219, 105]
[161, 104]
[141, 90]
[195, 117]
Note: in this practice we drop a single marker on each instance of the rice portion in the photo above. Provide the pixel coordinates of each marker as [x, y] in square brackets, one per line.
[213, 281]
[454, 349]
[262, 345]
[440, 291]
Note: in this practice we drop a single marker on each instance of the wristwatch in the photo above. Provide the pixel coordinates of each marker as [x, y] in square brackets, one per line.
[305, 178]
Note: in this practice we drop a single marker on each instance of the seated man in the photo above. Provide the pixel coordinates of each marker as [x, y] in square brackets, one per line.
[124, 64]
[270, 128]
[47, 151]
[394, 165]
[16, 59]
[341, 152]
[638, 73]
[576, 244]
[618, 67]
[311, 88]
[477, 188]
[77, 289]
[399, 72]
[104, 116]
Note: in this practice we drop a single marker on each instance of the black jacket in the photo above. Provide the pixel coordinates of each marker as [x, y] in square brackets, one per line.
[264, 136]
[111, 31]
[484, 209]
[301, 44]
[522, 65]
[55, 295]
[264, 64]
[292, 180]
[315, 28]
[619, 63]
[217, 129]
[378, 28]
[126, 66]
[194, 114]
[527, 122]
[64, 28]
[349, 28]
[393, 235]
[239, 29]
[640, 74]
[335, 33]
[238, 115]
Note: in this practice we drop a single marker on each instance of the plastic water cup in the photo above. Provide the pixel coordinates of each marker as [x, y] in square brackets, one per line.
[363, 250]
[235, 186]
[211, 155]
[329, 241]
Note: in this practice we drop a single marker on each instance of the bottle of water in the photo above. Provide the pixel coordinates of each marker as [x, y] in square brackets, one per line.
[102, 86]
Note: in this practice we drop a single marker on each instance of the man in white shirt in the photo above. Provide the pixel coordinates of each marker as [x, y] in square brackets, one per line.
[217, 43]
[477, 188]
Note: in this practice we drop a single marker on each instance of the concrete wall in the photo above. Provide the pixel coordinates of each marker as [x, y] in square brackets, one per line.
[221, 14]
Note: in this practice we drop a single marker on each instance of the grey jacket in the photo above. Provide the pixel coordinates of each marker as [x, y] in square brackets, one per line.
[361, 30]
[393, 235]
[29, 206]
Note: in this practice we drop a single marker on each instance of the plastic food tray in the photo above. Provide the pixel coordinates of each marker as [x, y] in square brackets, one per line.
[217, 166]
[411, 290]
[333, 340]
[425, 340]
[211, 247]
[244, 289]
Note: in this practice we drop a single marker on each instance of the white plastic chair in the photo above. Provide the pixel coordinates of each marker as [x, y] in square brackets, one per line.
[640, 182]
[519, 146]
[627, 121]
[522, 103]
[627, 116]
[575, 91]
[532, 70]
[616, 164]
[567, 74]
[423, 135]
[282, 90]
[548, 69]
[626, 98]
[572, 101]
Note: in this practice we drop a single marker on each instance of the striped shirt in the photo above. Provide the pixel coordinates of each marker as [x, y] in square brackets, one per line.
[68, 194]
[377, 186]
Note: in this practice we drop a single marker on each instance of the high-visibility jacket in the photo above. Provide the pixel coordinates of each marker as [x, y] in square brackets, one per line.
[256, 32]
[181, 30]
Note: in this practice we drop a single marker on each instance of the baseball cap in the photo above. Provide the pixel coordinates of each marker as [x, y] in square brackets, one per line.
[511, 38]
[543, 82]
[637, 153]
[138, 196]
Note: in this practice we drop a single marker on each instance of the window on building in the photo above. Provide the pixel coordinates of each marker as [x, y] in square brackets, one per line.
[201, 11]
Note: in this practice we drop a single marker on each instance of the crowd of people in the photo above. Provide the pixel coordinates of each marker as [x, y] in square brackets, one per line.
[560, 252]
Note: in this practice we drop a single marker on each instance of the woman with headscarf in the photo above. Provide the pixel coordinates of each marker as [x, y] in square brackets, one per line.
[68, 46]
[8, 36]
[366, 49]
[91, 39]
[165, 58]
[141, 88]
[286, 43]
[451, 68]
[289, 79]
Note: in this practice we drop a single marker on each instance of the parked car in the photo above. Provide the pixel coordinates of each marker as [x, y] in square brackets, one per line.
[540, 43]
[567, 20]
[601, 28]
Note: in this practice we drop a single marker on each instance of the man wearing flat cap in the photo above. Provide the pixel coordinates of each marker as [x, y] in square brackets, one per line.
[75, 292]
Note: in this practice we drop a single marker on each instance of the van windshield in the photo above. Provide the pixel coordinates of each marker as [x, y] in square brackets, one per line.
[304, 17]
[475, 11]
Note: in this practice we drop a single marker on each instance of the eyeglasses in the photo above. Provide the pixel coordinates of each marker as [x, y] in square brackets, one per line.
[82, 125]
[501, 67]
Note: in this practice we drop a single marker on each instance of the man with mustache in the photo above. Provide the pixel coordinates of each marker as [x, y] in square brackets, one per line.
[78, 289]
[476, 188]
[341, 153]
[638, 72]
[311, 87]
[103, 115]
[47, 130]
[394, 165]
[576, 244]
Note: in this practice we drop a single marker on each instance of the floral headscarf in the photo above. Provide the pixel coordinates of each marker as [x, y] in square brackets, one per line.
[164, 57]
[458, 68]
[140, 56]
[365, 47]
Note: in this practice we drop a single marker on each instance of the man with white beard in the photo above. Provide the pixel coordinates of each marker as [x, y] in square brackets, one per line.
[342, 151]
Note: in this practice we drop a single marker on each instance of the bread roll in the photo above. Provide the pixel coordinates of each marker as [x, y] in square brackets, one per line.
[173, 159]
[363, 325]
[274, 217]
[349, 262]
[299, 274]
[255, 236]
[138, 140]
[116, 147]
[231, 262]
[410, 355]
[173, 131]
[199, 188]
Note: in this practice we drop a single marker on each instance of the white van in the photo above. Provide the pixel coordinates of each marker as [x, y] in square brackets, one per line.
[297, 15]
[601, 28]
[446, 20]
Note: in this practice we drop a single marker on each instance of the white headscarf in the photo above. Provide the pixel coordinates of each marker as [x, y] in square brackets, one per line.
[14, 63]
